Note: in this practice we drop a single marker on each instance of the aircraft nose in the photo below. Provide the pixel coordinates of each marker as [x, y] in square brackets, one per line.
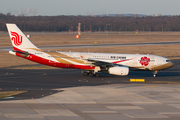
[169, 64]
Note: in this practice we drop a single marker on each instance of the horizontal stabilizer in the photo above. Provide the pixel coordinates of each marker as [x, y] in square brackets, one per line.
[7, 49]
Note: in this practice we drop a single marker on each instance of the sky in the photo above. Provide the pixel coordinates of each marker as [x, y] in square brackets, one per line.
[87, 7]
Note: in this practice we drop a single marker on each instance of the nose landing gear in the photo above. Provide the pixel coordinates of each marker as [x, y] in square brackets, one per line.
[155, 73]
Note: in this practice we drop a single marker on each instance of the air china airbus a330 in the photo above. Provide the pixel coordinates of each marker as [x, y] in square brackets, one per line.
[92, 63]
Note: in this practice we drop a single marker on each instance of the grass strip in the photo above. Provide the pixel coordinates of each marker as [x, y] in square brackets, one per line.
[4, 94]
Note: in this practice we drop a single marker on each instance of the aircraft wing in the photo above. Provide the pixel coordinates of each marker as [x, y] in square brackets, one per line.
[105, 64]
[100, 63]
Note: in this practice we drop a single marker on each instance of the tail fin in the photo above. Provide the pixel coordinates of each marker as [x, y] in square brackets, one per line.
[18, 39]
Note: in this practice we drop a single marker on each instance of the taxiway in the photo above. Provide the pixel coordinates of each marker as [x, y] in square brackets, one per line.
[66, 94]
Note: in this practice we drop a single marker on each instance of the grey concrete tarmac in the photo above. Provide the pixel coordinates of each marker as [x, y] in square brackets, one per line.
[66, 94]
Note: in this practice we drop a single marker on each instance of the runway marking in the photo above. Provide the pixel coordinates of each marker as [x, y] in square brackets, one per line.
[137, 80]
[100, 112]
[151, 86]
[27, 116]
[124, 107]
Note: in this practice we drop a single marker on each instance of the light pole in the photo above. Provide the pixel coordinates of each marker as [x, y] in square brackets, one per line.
[90, 28]
[107, 28]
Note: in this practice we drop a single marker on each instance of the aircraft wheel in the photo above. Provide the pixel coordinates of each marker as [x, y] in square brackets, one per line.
[91, 74]
[85, 73]
[97, 74]
[155, 73]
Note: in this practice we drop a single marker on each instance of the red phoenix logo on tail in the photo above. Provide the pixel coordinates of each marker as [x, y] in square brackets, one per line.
[144, 61]
[17, 39]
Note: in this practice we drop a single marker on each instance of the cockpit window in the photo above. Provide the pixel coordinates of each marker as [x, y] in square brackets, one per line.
[167, 60]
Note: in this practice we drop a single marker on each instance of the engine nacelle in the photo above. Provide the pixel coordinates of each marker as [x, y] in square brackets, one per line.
[119, 70]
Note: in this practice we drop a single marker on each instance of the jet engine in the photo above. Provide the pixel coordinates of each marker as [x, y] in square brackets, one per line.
[119, 70]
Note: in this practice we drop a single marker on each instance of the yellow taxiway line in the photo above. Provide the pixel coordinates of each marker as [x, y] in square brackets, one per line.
[137, 80]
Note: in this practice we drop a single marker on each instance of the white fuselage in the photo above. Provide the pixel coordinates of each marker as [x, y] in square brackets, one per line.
[138, 61]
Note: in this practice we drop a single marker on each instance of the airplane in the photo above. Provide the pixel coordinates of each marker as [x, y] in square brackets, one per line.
[91, 63]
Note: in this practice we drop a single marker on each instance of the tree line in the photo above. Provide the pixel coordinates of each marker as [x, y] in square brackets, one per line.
[88, 23]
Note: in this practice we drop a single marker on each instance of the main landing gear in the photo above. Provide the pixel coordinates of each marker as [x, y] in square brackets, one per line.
[155, 73]
[91, 74]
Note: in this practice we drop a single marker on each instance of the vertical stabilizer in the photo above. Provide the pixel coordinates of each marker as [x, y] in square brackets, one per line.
[18, 39]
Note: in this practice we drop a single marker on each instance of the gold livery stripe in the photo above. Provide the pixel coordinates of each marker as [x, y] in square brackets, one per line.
[59, 56]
